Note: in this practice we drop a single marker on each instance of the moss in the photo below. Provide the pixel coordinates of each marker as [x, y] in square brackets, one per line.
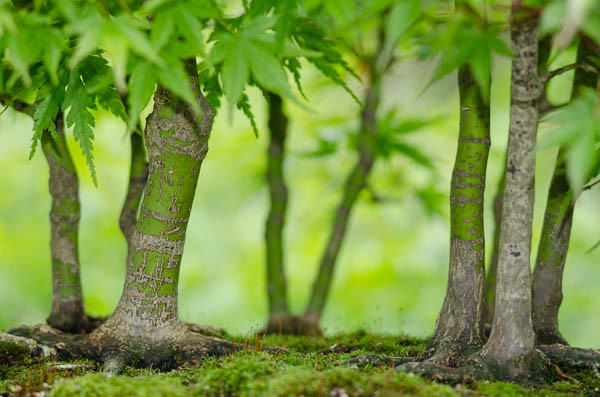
[309, 366]
[92, 385]
[13, 354]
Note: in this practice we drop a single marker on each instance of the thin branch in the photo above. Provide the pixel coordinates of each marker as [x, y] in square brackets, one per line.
[556, 72]
[591, 185]
[19, 106]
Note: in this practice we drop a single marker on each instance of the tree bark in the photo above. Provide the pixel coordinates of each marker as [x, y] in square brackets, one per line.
[145, 326]
[510, 347]
[460, 324]
[544, 49]
[355, 182]
[67, 313]
[278, 193]
[490, 282]
[556, 232]
[138, 174]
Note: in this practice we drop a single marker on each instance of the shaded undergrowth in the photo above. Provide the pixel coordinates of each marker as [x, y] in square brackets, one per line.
[309, 366]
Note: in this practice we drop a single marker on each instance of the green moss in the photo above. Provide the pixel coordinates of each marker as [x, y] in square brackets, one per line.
[93, 385]
[310, 366]
[11, 353]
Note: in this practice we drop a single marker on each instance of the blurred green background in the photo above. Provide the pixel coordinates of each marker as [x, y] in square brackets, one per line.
[391, 274]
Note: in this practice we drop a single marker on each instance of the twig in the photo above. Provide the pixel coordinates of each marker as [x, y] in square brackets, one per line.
[563, 375]
[591, 185]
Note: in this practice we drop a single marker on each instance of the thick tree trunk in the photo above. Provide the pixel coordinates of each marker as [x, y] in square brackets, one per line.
[145, 325]
[138, 174]
[556, 232]
[460, 325]
[67, 313]
[510, 348]
[278, 193]
[490, 281]
[355, 182]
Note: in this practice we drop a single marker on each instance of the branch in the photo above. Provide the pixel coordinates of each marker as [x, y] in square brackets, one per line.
[591, 185]
[556, 72]
[19, 106]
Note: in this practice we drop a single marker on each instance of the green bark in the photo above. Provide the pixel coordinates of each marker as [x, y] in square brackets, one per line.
[556, 232]
[278, 193]
[460, 324]
[355, 182]
[67, 313]
[176, 144]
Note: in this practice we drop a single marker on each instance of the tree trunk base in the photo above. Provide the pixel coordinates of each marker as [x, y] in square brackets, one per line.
[292, 325]
[552, 337]
[543, 370]
[83, 324]
[168, 348]
[567, 357]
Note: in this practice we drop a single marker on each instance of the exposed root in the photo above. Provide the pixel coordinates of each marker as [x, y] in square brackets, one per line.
[476, 367]
[375, 360]
[567, 357]
[34, 348]
[450, 352]
[82, 324]
[207, 330]
[292, 325]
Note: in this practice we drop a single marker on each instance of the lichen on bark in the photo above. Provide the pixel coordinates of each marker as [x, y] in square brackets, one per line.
[556, 230]
[67, 312]
[460, 325]
[510, 347]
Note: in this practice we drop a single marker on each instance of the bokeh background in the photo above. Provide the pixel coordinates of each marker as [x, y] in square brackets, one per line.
[391, 274]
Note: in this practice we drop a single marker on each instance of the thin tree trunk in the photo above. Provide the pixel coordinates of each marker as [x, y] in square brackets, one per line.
[490, 282]
[67, 313]
[544, 49]
[278, 193]
[460, 324]
[510, 347]
[145, 325]
[556, 232]
[138, 174]
[355, 182]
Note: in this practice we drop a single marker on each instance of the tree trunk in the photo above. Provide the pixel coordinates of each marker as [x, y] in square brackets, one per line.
[138, 174]
[278, 193]
[67, 313]
[460, 324]
[556, 232]
[490, 282]
[510, 348]
[355, 182]
[145, 326]
[544, 49]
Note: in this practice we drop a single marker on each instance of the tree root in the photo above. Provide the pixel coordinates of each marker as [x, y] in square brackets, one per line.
[552, 337]
[35, 349]
[567, 357]
[167, 348]
[83, 324]
[292, 325]
[207, 330]
[475, 367]
[375, 360]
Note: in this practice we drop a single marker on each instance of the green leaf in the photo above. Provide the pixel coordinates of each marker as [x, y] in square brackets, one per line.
[46, 112]
[78, 102]
[267, 70]
[244, 105]
[141, 86]
[175, 78]
[110, 100]
[401, 17]
[235, 76]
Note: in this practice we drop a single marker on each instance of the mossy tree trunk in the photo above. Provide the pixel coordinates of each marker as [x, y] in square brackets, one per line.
[145, 326]
[355, 182]
[460, 325]
[67, 313]
[510, 347]
[278, 194]
[556, 232]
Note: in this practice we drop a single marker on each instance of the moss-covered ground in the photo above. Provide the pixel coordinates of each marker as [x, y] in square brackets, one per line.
[309, 366]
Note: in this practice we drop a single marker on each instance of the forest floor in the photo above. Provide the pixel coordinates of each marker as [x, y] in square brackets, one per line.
[310, 366]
